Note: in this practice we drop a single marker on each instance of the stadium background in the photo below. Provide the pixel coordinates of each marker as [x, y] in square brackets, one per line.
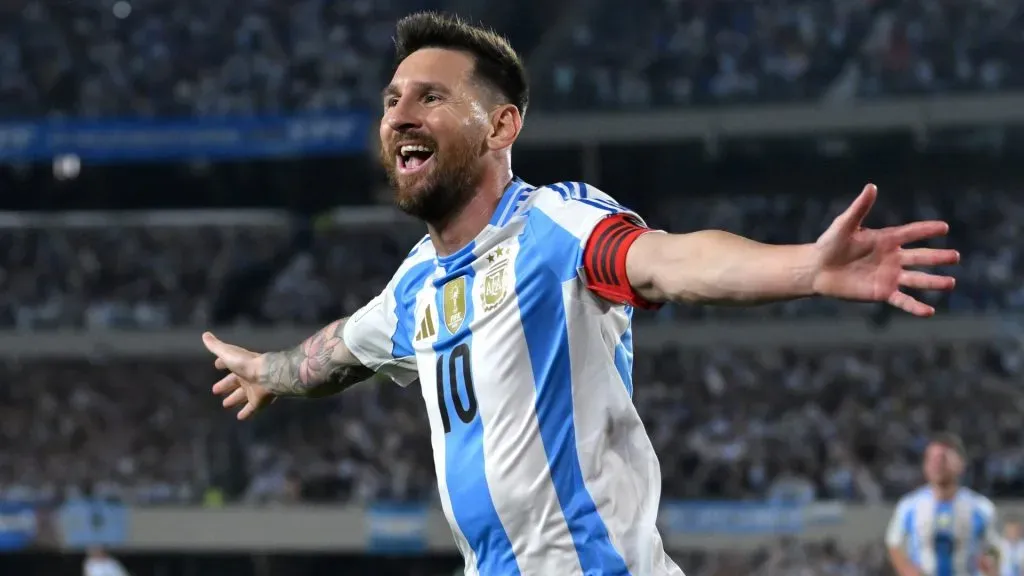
[168, 166]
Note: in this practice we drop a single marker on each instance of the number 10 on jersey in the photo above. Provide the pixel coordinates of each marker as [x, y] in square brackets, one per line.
[455, 375]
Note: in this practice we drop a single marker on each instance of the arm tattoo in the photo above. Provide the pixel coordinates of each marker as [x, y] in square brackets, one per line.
[318, 367]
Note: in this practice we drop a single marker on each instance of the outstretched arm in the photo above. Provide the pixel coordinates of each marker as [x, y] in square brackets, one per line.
[716, 267]
[847, 262]
[320, 366]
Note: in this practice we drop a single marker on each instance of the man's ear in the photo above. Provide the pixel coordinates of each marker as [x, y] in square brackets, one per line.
[506, 123]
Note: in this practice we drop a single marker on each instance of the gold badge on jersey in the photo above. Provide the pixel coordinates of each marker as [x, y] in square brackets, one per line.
[455, 304]
[495, 281]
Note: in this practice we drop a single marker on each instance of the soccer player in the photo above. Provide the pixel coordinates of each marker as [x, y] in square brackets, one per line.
[99, 563]
[943, 528]
[1010, 555]
[514, 312]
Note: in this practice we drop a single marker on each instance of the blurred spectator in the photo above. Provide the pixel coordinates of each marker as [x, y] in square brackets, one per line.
[152, 277]
[93, 58]
[692, 52]
[846, 425]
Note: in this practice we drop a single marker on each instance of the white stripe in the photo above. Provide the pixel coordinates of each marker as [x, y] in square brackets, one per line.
[619, 465]
[513, 448]
[428, 386]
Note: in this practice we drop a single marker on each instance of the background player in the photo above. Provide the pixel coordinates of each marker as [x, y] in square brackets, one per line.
[99, 563]
[1010, 555]
[514, 315]
[943, 528]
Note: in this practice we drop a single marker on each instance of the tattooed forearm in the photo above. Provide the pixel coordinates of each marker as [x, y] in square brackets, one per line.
[320, 366]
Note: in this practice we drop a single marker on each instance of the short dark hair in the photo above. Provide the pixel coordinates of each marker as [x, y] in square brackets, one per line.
[950, 440]
[497, 63]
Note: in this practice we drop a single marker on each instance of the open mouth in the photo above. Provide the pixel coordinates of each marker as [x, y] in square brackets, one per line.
[413, 157]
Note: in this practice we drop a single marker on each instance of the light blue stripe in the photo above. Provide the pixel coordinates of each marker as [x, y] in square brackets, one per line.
[521, 196]
[944, 544]
[470, 495]
[624, 366]
[908, 529]
[405, 303]
[549, 257]
[624, 357]
[507, 202]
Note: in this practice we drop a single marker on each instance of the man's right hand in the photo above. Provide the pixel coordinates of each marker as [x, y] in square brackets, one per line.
[242, 386]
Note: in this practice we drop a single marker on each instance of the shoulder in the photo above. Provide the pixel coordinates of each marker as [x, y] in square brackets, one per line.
[910, 499]
[419, 263]
[982, 503]
[573, 208]
[562, 195]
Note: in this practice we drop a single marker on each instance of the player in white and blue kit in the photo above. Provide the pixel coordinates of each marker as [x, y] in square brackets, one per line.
[1009, 555]
[514, 316]
[943, 528]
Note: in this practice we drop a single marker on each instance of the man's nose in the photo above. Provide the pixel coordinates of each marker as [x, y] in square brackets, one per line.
[403, 116]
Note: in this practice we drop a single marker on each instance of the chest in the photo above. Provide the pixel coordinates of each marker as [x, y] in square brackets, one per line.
[950, 526]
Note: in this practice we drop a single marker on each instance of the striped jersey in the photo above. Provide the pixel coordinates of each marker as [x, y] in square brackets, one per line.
[944, 538]
[1011, 558]
[543, 465]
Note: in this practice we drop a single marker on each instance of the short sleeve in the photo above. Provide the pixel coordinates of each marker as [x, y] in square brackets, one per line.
[602, 231]
[378, 334]
[896, 534]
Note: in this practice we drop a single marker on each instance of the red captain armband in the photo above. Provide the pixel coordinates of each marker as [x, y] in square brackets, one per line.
[604, 260]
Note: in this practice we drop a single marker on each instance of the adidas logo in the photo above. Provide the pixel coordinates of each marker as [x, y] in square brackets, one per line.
[427, 329]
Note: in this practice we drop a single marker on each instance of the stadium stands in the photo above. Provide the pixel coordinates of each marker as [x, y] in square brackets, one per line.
[739, 51]
[779, 424]
[160, 276]
[843, 424]
[173, 58]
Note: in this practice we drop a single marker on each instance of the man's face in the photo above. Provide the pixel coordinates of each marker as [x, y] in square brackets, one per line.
[942, 464]
[433, 133]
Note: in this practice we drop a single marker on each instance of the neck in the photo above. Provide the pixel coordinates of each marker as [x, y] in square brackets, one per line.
[945, 491]
[466, 224]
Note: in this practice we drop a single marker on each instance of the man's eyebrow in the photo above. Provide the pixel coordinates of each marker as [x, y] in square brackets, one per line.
[392, 90]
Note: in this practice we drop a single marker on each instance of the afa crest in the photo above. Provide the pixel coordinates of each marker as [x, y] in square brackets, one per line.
[454, 304]
[495, 281]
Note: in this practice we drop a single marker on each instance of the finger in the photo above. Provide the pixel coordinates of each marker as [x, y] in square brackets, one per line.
[910, 305]
[227, 385]
[853, 217]
[925, 281]
[218, 348]
[928, 257]
[213, 344]
[917, 231]
[246, 411]
[219, 364]
[236, 398]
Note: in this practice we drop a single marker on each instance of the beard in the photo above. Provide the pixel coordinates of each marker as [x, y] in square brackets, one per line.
[439, 192]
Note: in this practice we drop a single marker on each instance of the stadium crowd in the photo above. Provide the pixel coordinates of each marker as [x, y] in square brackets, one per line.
[744, 51]
[151, 277]
[782, 425]
[160, 57]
